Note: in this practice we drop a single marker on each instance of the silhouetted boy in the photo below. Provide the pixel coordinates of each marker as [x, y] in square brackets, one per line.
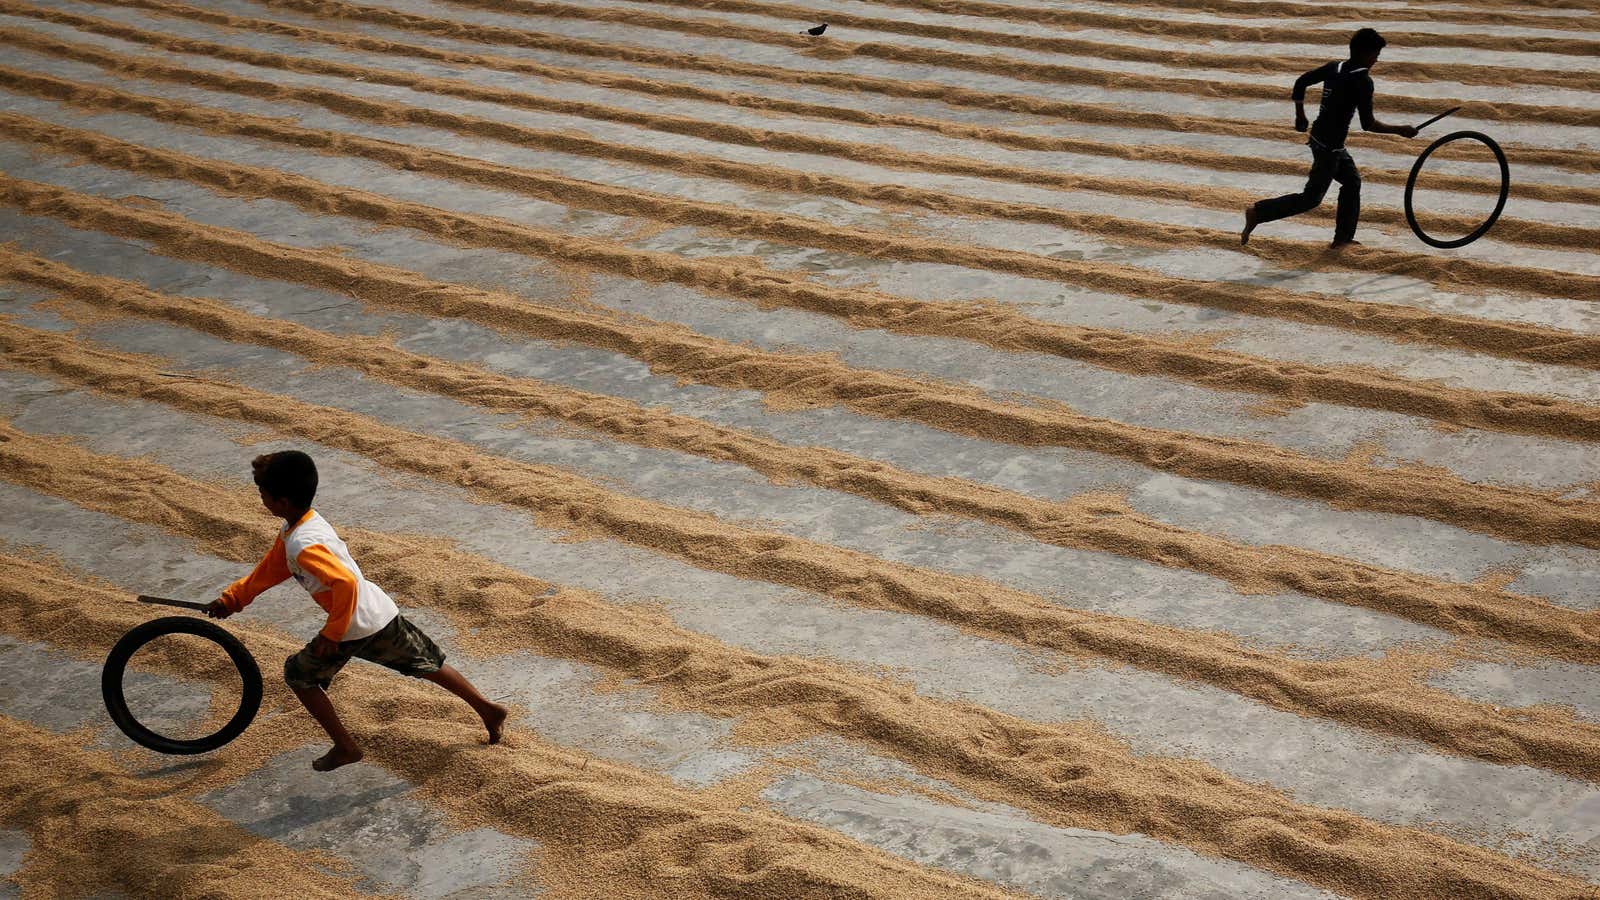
[1346, 90]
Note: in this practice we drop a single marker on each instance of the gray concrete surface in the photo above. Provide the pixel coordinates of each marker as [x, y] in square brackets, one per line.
[13, 847]
[367, 816]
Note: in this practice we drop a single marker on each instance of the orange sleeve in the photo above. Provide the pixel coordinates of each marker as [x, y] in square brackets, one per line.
[272, 571]
[320, 561]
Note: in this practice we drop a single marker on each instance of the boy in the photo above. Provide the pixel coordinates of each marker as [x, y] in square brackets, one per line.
[362, 620]
[1347, 89]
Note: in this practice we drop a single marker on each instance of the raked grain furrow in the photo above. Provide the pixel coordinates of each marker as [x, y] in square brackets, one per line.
[1479, 12]
[1482, 12]
[1577, 159]
[102, 828]
[1349, 691]
[1139, 22]
[809, 143]
[1517, 514]
[1093, 524]
[596, 821]
[1116, 350]
[1016, 68]
[1051, 42]
[1526, 232]
[998, 757]
[996, 327]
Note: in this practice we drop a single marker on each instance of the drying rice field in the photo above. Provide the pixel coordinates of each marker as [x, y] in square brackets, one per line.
[868, 465]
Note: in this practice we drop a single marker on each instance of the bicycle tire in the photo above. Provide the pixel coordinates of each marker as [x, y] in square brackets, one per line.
[1505, 190]
[129, 644]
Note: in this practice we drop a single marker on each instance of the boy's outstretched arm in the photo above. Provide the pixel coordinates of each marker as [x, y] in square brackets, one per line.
[1369, 122]
[1315, 76]
[272, 571]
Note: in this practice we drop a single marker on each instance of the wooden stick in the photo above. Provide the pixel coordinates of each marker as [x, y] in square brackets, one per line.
[182, 604]
[1438, 117]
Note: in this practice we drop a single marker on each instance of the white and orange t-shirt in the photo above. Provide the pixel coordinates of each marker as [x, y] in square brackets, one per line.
[311, 552]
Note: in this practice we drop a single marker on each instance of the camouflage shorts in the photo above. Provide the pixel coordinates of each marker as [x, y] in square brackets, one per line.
[400, 646]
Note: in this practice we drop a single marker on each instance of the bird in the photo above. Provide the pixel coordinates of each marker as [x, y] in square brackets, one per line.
[817, 30]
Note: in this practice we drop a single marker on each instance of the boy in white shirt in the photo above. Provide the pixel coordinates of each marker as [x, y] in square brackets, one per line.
[362, 620]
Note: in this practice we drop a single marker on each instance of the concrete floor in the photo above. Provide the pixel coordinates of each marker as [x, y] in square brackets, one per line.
[403, 844]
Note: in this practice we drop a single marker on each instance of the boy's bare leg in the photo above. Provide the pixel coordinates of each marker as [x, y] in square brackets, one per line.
[493, 714]
[1250, 220]
[345, 751]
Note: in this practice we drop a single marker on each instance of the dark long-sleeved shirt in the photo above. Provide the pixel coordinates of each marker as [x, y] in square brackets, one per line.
[1345, 92]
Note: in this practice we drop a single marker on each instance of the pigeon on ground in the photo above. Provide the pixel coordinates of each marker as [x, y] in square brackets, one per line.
[817, 30]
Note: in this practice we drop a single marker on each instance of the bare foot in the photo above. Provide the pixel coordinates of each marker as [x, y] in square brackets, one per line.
[335, 758]
[1349, 243]
[493, 720]
[1250, 220]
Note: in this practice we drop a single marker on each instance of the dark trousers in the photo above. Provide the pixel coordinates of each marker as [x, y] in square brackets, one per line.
[1327, 166]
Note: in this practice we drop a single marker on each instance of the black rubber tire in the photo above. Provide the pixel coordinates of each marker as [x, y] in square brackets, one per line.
[117, 704]
[1505, 189]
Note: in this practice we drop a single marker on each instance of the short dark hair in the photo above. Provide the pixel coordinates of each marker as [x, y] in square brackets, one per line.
[1366, 41]
[288, 474]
